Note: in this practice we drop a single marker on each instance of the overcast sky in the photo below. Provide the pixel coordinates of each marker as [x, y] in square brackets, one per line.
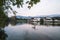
[44, 7]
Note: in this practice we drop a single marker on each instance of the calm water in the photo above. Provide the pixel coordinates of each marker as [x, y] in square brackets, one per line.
[30, 32]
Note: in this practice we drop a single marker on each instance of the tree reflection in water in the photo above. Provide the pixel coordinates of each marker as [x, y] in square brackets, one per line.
[3, 35]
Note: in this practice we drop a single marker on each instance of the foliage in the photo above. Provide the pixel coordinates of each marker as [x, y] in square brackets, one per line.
[3, 18]
[5, 5]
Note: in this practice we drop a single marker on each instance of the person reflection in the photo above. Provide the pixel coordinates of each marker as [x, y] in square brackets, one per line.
[3, 35]
[34, 25]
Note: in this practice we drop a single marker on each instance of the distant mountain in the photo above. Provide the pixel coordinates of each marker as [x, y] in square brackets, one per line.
[28, 17]
[54, 15]
[41, 16]
[23, 17]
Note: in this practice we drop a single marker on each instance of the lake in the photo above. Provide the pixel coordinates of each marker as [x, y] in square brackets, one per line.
[29, 31]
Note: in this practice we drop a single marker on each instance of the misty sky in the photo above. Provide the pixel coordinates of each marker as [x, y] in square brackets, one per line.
[44, 7]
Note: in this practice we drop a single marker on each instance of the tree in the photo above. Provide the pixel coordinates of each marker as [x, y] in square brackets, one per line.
[5, 4]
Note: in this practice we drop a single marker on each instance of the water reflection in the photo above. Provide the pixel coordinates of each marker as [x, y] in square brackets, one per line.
[38, 23]
[29, 31]
[20, 22]
[25, 32]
